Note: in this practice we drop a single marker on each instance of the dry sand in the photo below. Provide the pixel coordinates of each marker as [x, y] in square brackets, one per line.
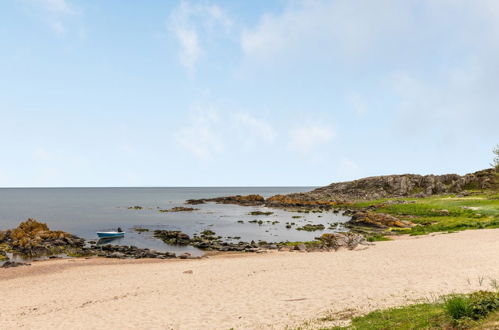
[274, 290]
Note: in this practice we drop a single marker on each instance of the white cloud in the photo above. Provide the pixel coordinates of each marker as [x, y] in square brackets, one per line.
[256, 127]
[308, 138]
[190, 23]
[211, 130]
[201, 136]
[322, 28]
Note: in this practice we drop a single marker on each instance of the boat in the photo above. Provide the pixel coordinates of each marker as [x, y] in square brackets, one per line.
[110, 234]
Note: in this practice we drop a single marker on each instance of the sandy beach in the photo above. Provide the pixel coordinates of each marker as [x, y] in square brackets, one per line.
[264, 291]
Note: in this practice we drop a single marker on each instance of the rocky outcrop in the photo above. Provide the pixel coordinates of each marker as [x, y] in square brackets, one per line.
[125, 252]
[248, 200]
[398, 186]
[33, 238]
[345, 240]
[378, 220]
[173, 237]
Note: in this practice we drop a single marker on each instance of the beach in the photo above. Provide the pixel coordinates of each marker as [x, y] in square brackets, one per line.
[246, 291]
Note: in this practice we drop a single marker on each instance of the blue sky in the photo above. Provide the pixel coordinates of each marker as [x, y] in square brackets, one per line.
[245, 93]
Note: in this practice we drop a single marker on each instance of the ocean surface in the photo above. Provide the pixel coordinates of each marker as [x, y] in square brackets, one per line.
[84, 211]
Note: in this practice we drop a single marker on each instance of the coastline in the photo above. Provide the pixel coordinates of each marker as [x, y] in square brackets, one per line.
[249, 291]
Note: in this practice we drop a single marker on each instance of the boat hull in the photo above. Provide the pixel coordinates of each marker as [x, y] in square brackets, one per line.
[110, 234]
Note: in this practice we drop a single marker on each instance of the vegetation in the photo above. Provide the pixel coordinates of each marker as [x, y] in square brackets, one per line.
[440, 213]
[495, 162]
[475, 310]
[377, 238]
[136, 207]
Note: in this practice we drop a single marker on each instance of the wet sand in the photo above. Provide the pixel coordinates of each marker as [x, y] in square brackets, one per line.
[249, 291]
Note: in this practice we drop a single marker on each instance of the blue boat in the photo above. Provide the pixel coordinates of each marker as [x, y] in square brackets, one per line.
[110, 234]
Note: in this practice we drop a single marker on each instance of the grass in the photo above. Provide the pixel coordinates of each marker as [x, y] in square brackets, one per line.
[477, 310]
[441, 213]
[377, 238]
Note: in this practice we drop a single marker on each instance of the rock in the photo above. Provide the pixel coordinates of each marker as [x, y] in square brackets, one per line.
[346, 240]
[188, 272]
[174, 237]
[248, 200]
[273, 247]
[10, 264]
[309, 227]
[379, 220]
[3, 256]
[33, 238]
[301, 247]
[184, 255]
[390, 186]
[118, 255]
[179, 209]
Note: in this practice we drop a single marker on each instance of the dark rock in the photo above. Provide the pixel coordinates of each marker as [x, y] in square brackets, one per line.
[10, 264]
[389, 186]
[249, 200]
[379, 220]
[179, 209]
[173, 237]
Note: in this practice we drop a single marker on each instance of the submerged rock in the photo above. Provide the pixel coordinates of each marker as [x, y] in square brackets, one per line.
[179, 209]
[248, 200]
[174, 237]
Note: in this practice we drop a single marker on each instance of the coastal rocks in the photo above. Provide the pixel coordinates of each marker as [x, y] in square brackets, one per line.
[260, 213]
[346, 240]
[11, 264]
[136, 207]
[3, 256]
[281, 201]
[126, 252]
[389, 186]
[309, 227]
[179, 209]
[174, 237]
[33, 238]
[248, 200]
[378, 220]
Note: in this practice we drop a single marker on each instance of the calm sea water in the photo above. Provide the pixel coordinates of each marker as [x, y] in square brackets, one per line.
[84, 211]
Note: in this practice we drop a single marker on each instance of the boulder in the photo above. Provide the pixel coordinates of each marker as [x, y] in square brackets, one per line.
[378, 220]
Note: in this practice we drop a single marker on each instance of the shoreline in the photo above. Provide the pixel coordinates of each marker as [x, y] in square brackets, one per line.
[250, 291]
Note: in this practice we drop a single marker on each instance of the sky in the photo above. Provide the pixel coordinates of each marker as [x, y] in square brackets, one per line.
[244, 93]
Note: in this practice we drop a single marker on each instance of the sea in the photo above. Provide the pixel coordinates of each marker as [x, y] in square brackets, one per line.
[85, 211]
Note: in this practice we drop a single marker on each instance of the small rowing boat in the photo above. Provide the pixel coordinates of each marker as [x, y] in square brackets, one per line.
[110, 234]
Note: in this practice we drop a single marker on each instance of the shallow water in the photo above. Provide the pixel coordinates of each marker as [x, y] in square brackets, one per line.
[84, 211]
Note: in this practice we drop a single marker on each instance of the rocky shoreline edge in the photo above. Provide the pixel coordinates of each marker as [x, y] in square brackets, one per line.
[33, 239]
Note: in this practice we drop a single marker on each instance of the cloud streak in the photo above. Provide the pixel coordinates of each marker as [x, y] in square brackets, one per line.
[190, 23]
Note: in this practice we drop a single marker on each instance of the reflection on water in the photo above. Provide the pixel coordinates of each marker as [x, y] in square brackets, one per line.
[85, 211]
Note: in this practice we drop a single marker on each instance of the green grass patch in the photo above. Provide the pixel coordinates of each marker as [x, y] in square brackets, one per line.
[475, 310]
[441, 213]
[377, 238]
